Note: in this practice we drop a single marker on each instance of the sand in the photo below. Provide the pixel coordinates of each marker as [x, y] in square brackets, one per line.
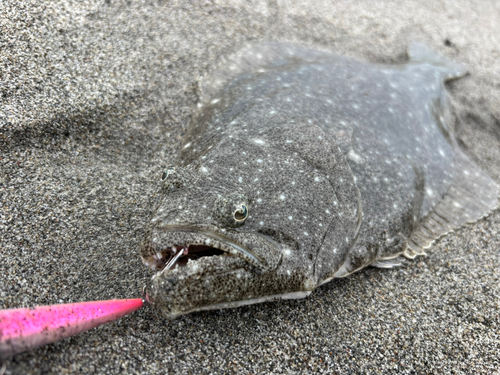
[94, 98]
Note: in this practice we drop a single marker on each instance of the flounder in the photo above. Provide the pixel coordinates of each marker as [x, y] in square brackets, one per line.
[300, 166]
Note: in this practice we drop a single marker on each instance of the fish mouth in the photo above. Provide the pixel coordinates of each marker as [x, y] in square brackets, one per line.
[173, 246]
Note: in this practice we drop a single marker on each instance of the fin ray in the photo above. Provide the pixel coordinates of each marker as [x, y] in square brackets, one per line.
[388, 263]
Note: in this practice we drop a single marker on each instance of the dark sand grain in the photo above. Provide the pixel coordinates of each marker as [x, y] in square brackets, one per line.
[94, 97]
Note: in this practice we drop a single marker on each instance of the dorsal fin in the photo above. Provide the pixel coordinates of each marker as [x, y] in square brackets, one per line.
[262, 56]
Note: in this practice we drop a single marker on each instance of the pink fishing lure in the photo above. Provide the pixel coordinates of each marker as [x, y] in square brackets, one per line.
[25, 329]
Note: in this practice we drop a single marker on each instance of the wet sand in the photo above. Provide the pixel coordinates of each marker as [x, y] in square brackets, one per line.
[94, 99]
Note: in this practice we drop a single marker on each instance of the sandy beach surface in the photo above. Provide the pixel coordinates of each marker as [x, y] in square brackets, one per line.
[94, 99]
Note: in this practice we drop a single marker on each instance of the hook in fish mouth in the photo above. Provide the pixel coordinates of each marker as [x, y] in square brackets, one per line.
[179, 244]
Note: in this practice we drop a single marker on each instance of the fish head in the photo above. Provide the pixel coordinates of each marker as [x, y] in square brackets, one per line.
[242, 223]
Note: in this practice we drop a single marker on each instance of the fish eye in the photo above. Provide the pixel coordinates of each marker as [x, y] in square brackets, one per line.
[241, 214]
[166, 173]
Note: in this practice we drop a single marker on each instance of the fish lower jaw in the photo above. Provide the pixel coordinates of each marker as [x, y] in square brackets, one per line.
[251, 301]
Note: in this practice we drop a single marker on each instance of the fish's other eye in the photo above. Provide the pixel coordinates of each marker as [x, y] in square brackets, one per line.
[166, 173]
[241, 214]
[176, 178]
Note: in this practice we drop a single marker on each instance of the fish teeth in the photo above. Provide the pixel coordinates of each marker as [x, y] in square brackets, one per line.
[152, 262]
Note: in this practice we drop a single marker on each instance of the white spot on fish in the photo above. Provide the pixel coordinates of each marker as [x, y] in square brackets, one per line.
[355, 157]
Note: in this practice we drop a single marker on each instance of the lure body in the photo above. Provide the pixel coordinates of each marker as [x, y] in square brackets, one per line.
[26, 329]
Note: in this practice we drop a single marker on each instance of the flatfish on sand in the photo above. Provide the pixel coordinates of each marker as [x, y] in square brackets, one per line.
[300, 166]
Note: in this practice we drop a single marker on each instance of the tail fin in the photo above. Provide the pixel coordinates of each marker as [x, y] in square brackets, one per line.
[418, 52]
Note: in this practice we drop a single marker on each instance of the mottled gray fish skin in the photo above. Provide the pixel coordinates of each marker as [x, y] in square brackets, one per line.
[300, 166]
